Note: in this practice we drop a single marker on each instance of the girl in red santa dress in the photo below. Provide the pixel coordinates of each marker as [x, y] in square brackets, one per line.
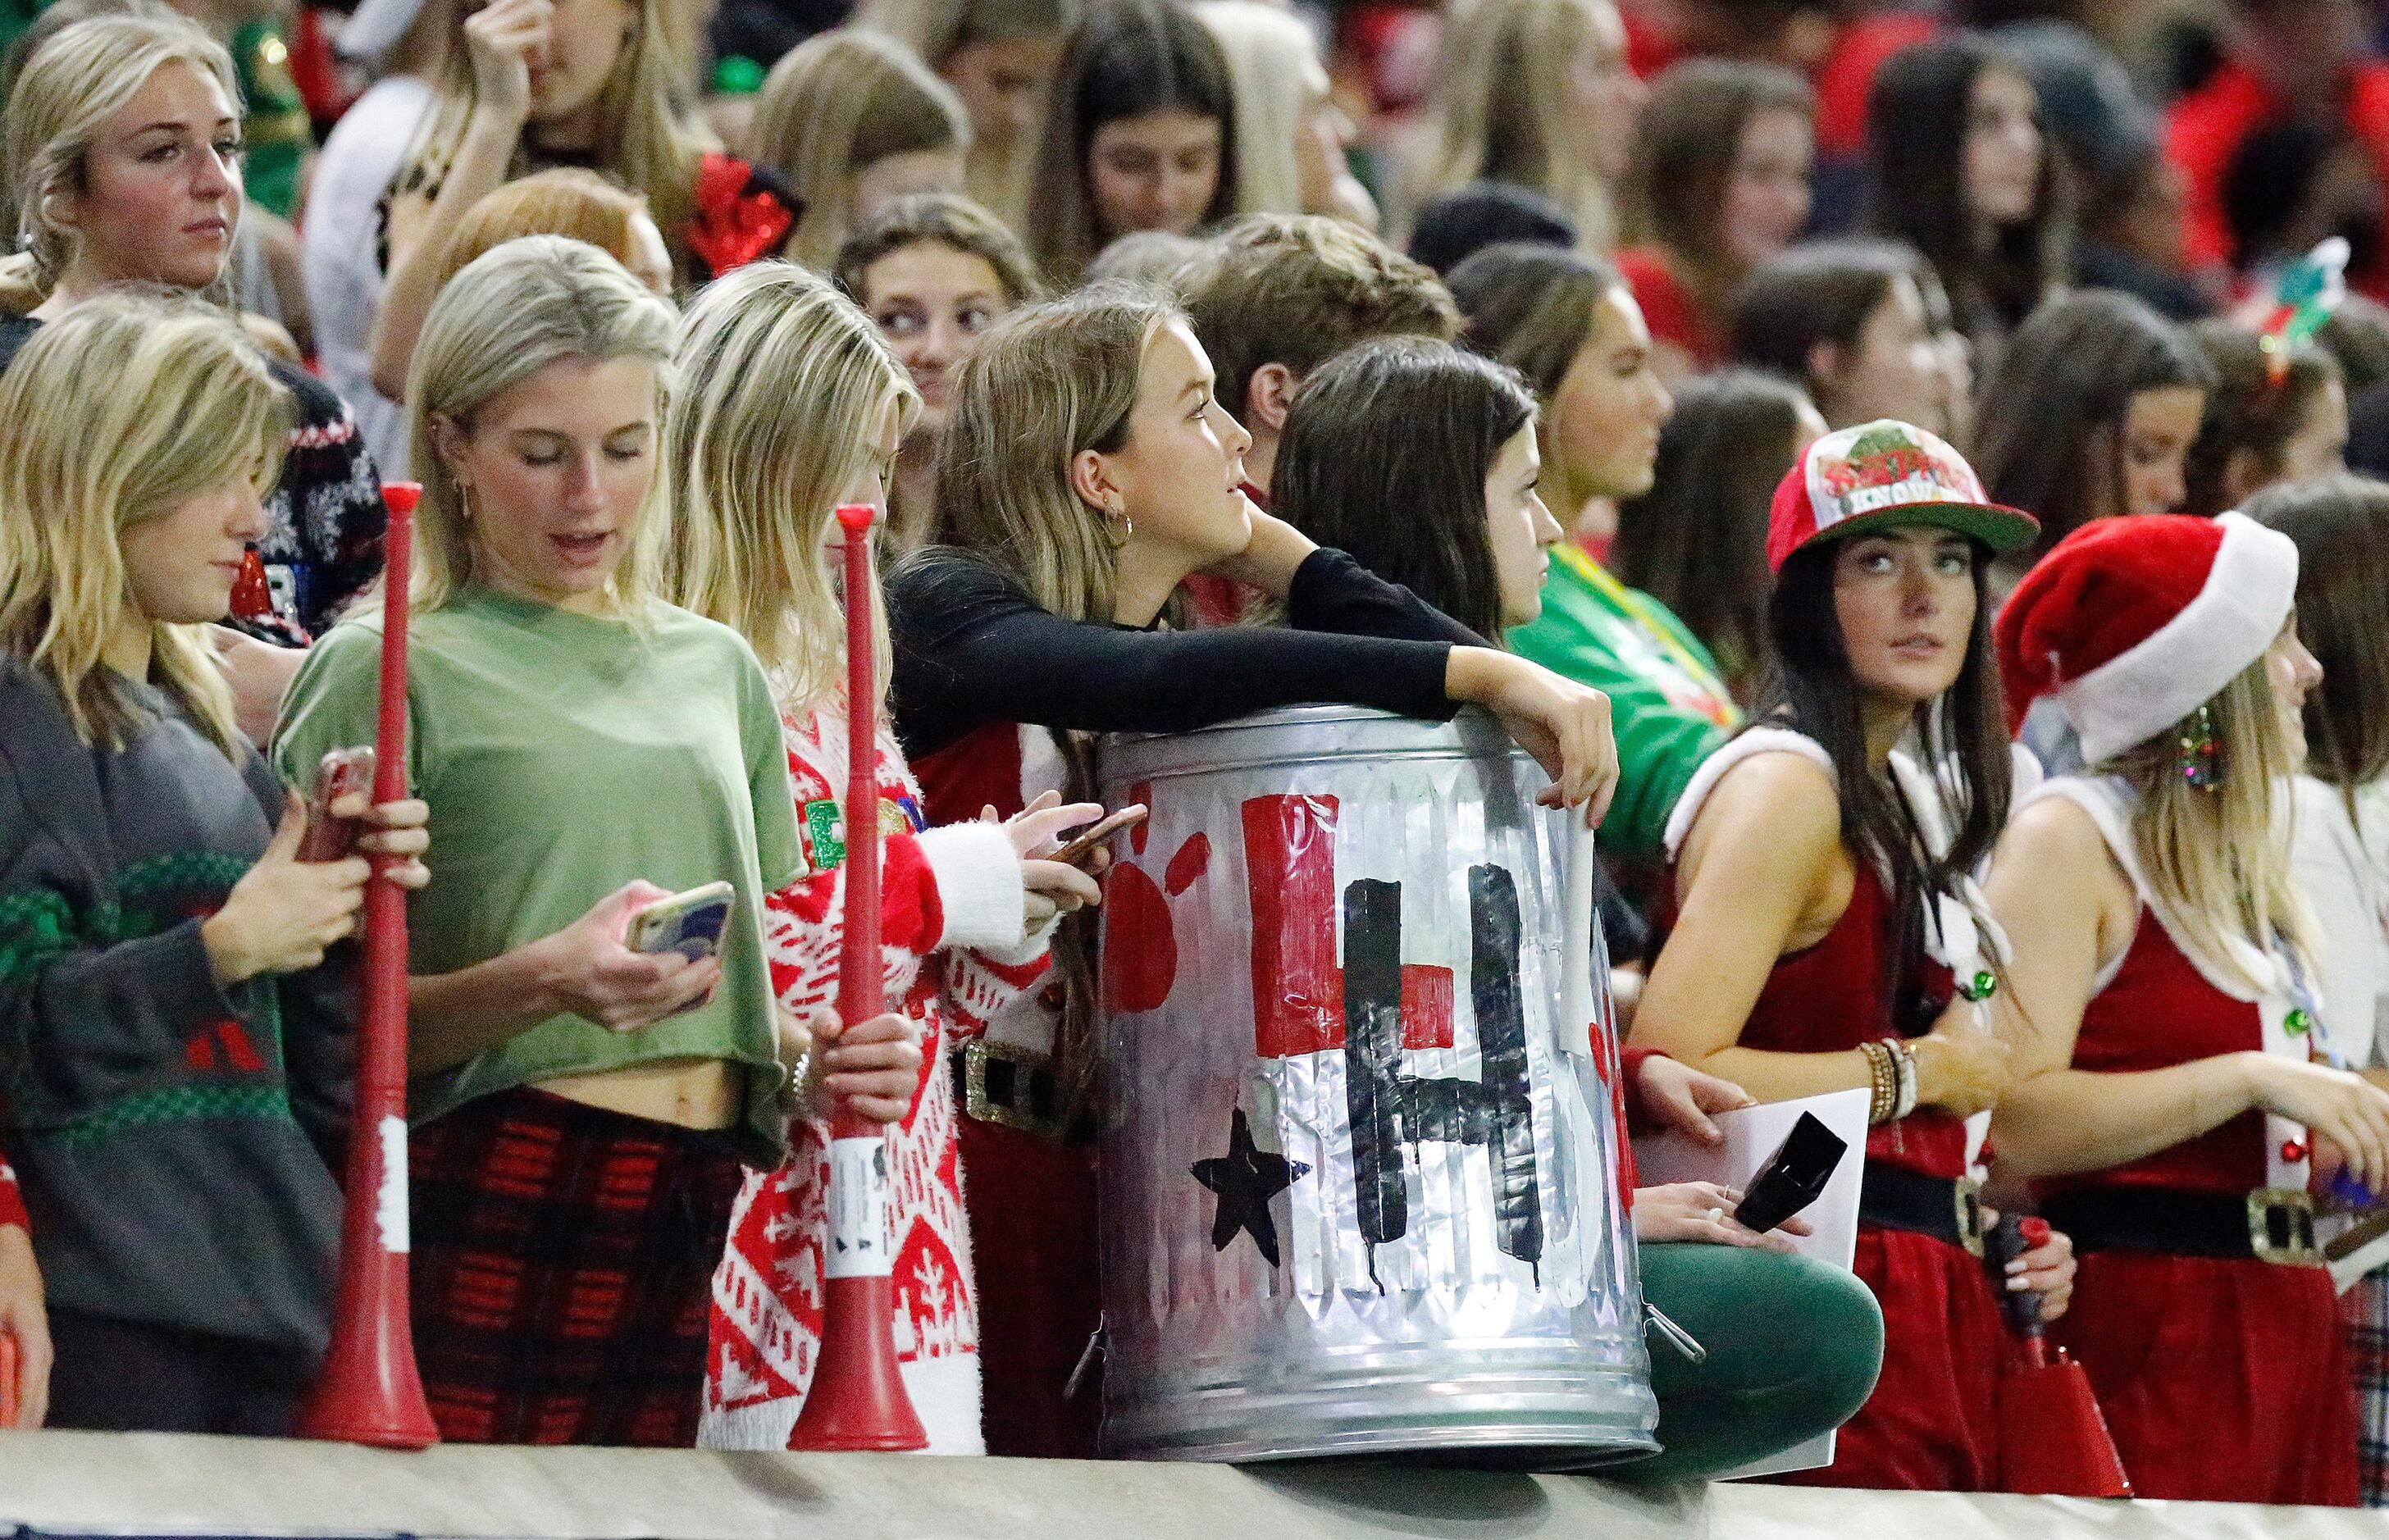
[1821, 894]
[2169, 1100]
[789, 404]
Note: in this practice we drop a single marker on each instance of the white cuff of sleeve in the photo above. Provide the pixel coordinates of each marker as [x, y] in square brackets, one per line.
[978, 874]
[1032, 946]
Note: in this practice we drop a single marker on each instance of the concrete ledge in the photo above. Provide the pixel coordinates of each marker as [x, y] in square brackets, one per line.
[164, 1485]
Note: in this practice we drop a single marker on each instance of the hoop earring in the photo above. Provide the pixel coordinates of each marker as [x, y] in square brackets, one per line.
[1118, 529]
[2199, 756]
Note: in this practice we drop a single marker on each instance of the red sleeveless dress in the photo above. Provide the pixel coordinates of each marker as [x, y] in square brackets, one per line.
[1930, 1424]
[2223, 1380]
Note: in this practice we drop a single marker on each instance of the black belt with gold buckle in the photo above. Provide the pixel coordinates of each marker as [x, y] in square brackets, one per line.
[1951, 1210]
[2272, 1224]
[1015, 1090]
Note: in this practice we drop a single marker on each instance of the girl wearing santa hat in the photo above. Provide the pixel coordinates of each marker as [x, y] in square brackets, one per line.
[1822, 898]
[2170, 1101]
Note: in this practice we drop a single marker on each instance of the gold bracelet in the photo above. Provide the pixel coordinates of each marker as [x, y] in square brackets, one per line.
[1884, 1079]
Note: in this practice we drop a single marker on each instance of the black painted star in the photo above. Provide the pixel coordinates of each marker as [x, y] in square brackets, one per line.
[1245, 1180]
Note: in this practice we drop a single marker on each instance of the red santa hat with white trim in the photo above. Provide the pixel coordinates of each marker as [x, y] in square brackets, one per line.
[2134, 623]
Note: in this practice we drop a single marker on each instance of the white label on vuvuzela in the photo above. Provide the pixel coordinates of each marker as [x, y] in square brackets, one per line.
[391, 1209]
[858, 1209]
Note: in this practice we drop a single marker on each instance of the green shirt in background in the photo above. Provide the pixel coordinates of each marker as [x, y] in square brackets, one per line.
[1669, 706]
[563, 756]
[276, 136]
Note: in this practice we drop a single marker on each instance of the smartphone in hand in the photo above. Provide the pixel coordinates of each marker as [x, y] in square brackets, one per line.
[690, 924]
[1075, 850]
[343, 770]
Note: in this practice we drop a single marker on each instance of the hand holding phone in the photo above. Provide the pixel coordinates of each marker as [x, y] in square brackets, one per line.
[342, 772]
[1074, 852]
[690, 924]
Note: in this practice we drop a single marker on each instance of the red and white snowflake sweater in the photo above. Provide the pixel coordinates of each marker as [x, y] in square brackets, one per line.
[956, 891]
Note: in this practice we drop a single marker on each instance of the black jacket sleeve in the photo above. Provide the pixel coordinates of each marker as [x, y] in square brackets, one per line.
[1332, 593]
[972, 648]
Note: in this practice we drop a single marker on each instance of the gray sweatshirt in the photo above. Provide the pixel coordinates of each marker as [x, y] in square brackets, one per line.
[172, 1137]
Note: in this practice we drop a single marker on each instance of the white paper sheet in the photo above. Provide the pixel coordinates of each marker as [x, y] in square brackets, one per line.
[1751, 1137]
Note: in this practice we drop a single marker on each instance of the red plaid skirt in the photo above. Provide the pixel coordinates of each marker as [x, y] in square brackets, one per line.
[562, 1269]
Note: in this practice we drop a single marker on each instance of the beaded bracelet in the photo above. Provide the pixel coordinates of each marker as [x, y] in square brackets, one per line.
[1903, 1056]
[1884, 1077]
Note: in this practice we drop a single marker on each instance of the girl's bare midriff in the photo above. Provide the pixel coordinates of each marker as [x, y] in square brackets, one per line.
[691, 1093]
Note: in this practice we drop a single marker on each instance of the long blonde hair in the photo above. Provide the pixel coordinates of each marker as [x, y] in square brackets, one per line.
[1046, 382]
[647, 139]
[1272, 57]
[119, 412]
[782, 384]
[534, 301]
[835, 103]
[2217, 859]
[1505, 106]
[67, 91]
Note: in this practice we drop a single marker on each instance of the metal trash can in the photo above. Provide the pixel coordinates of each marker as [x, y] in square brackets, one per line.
[1360, 1174]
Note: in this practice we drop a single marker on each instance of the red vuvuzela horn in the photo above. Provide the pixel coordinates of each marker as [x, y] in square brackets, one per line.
[2053, 1438]
[857, 1399]
[370, 1392]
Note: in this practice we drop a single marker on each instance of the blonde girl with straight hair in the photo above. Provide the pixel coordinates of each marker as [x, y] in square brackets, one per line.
[64, 603]
[851, 121]
[1291, 135]
[1088, 470]
[789, 405]
[610, 93]
[540, 303]
[593, 750]
[999, 56]
[172, 1048]
[121, 146]
[1537, 93]
[56, 114]
[2178, 1084]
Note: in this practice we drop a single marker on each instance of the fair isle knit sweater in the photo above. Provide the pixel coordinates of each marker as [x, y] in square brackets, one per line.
[943, 891]
[171, 1137]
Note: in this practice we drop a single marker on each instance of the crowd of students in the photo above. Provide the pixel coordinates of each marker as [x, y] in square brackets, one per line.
[1874, 460]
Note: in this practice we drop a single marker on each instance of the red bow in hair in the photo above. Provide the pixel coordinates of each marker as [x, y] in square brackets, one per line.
[737, 221]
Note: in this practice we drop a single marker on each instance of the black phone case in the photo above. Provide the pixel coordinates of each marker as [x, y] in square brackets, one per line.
[1795, 1177]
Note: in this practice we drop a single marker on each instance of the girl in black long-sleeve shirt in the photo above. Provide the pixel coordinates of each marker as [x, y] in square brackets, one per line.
[1087, 472]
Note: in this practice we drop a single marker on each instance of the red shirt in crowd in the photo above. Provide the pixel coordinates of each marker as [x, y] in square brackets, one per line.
[2204, 129]
[1668, 307]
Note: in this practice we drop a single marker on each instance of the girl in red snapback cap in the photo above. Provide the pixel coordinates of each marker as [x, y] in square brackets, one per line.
[1821, 899]
[2169, 1101]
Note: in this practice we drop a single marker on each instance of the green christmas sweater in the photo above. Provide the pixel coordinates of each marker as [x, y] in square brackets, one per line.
[1669, 706]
